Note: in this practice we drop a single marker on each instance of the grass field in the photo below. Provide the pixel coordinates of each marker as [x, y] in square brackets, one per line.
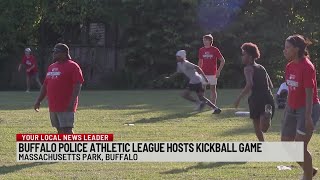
[158, 116]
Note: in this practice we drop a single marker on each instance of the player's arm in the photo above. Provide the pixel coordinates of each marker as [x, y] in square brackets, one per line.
[222, 62]
[308, 84]
[199, 70]
[42, 95]
[248, 73]
[309, 124]
[29, 69]
[172, 75]
[200, 62]
[20, 67]
[269, 81]
[75, 93]
[77, 79]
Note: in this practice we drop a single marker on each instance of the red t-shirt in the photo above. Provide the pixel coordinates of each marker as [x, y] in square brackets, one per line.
[209, 58]
[59, 81]
[30, 61]
[299, 76]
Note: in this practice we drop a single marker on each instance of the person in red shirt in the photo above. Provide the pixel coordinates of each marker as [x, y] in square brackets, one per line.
[30, 63]
[62, 87]
[208, 57]
[303, 109]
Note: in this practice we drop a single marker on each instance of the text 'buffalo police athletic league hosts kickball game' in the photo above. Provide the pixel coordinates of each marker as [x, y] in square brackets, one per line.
[103, 148]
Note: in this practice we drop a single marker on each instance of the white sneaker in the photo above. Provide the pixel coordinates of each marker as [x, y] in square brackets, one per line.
[27, 91]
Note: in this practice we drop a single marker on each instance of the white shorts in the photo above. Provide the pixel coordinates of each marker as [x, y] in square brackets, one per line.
[212, 80]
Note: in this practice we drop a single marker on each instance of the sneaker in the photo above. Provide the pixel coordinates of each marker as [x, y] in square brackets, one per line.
[216, 111]
[268, 111]
[27, 91]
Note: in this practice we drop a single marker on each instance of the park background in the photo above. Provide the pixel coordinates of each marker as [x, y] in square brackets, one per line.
[131, 44]
[125, 48]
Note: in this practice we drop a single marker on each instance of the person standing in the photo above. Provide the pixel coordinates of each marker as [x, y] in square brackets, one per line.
[303, 110]
[208, 57]
[62, 87]
[30, 64]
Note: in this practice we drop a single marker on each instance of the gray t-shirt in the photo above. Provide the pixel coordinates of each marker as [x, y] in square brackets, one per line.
[188, 69]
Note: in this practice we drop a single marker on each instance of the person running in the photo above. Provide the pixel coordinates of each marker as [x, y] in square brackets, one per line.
[30, 63]
[195, 82]
[62, 87]
[282, 95]
[261, 102]
[303, 110]
[208, 57]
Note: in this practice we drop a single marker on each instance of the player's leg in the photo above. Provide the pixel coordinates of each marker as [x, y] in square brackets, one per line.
[204, 100]
[55, 122]
[28, 79]
[67, 130]
[256, 109]
[213, 90]
[257, 129]
[266, 116]
[186, 94]
[36, 76]
[66, 120]
[309, 170]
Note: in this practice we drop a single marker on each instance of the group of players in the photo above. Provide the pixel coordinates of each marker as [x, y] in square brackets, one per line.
[64, 78]
[302, 111]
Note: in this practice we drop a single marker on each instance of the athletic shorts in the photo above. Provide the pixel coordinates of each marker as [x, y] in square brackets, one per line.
[62, 119]
[257, 105]
[294, 120]
[196, 87]
[212, 80]
[32, 74]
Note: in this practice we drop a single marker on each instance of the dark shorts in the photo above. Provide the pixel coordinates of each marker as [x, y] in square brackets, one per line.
[257, 105]
[62, 119]
[196, 87]
[294, 120]
[32, 74]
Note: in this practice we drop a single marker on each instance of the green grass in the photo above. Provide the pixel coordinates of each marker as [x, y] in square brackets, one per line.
[158, 116]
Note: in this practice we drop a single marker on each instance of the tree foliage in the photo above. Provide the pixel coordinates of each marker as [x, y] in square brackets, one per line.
[149, 32]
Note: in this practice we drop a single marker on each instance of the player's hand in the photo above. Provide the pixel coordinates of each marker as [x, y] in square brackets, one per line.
[37, 106]
[28, 70]
[236, 103]
[309, 125]
[218, 74]
[206, 79]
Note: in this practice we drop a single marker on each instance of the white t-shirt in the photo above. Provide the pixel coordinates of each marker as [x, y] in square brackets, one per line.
[283, 86]
[188, 69]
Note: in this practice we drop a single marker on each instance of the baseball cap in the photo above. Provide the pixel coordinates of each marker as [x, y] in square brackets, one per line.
[27, 50]
[182, 54]
[60, 47]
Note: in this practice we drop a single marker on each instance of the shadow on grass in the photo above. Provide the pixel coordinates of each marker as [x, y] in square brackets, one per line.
[202, 166]
[247, 127]
[18, 167]
[165, 117]
[116, 107]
